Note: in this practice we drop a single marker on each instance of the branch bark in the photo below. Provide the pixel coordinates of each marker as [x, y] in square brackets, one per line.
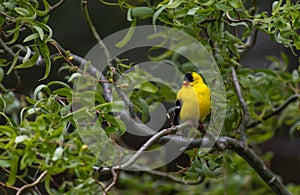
[145, 146]
[245, 116]
[32, 184]
[275, 111]
[257, 164]
[92, 28]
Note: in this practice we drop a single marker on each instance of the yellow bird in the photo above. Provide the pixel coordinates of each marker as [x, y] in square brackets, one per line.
[193, 99]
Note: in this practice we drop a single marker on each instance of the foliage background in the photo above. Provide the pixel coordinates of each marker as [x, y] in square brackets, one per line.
[33, 145]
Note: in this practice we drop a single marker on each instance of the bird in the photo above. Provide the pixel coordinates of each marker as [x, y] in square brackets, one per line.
[193, 100]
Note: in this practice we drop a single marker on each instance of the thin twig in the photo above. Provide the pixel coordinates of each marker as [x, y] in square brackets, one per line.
[8, 50]
[8, 186]
[145, 146]
[91, 71]
[114, 181]
[275, 111]
[236, 20]
[245, 115]
[32, 184]
[59, 3]
[171, 177]
[94, 32]
[189, 165]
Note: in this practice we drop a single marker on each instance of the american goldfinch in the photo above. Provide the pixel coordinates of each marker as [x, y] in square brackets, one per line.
[193, 99]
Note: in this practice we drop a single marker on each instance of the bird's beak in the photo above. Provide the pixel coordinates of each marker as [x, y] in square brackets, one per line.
[185, 83]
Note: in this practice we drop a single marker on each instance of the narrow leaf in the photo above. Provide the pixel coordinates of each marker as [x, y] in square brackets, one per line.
[128, 36]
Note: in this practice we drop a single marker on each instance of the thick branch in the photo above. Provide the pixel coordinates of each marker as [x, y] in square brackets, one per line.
[223, 142]
[258, 165]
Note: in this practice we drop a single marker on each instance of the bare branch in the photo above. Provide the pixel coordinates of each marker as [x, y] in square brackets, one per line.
[145, 146]
[32, 184]
[59, 3]
[94, 31]
[275, 111]
[227, 143]
[114, 181]
[171, 177]
[236, 20]
[8, 186]
[8, 50]
[245, 116]
[257, 164]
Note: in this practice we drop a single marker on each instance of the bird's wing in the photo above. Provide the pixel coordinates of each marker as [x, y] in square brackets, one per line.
[177, 112]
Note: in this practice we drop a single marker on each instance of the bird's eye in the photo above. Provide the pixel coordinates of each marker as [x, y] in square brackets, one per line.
[188, 77]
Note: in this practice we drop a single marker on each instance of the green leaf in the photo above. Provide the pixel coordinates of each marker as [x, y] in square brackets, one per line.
[208, 3]
[58, 154]
[28, 157]
[16, 32]
[157, 13]
[39, 31]
[73, 76]
[295, 75]
[14, 161]
[173, 4]
[64, 92]
[41, 124]
[129, 15]
[27, 55]
[31, 37]
[128, 35]
[117, 106]
[31, 62]
[142, 12]
[276, 6]
[15, 60]
[148, 87]
[235, 3]
[44, 50]
[111, 130]
[22, 11]
[121, 125]
[223, 7]
[1, 74]
[59, 83]
[21, 138]
[39, 88]
[4, 163]
[46, 9]
[65, 110]
[193, 11]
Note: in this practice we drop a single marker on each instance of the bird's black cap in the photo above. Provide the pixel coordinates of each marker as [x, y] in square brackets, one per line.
[188, 77]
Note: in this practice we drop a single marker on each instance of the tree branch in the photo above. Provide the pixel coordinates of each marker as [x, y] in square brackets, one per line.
[171, 177]
[32, 184]
[257, 164]
[245, 116]
[222, 143]
[114, 181]
[59, 3]
[8, 50]
[145, 146]
[275, 111]
[94, 31]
